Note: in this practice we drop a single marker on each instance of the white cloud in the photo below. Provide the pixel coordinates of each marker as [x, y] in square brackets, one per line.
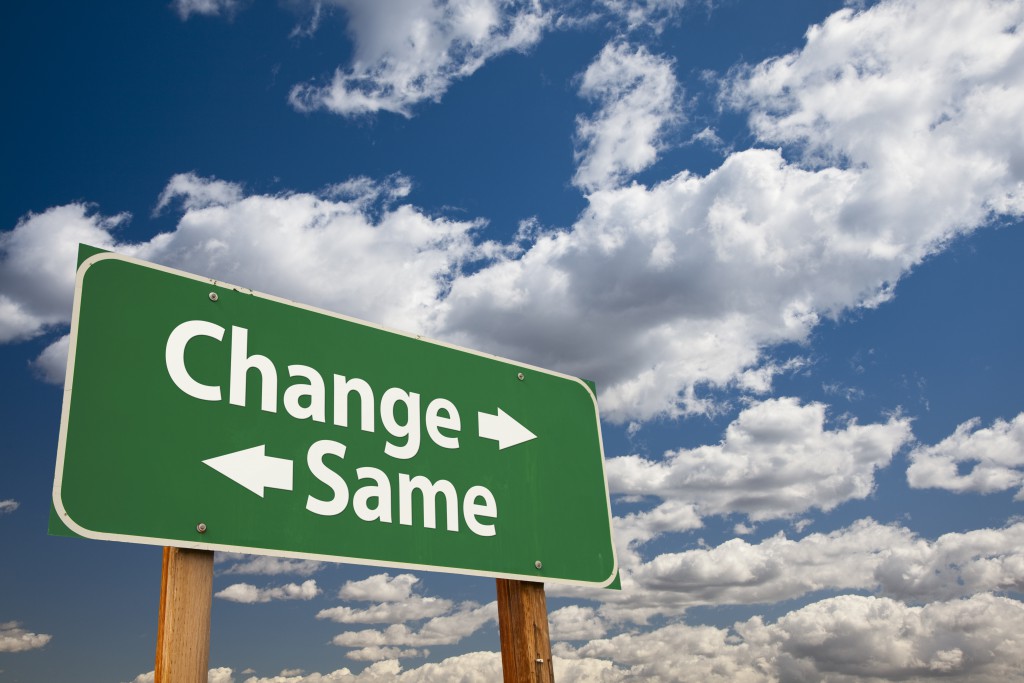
[926, 99]
[248, 593]
[575, 623]
[221, 674]
[9, 505]
[661, 294]
[13, 638]
[37, 266]
[995, 456]
[380, 588]
[637, 93]
[444, 630]
[644, 14]
[412, 608]
[307, 247]
[272, 566]
[866, 556]
[411, 51]
[636, 528]
[207, 8]
[198, 193]
[474, 667]
[376, 654]
[974, 639]
[777, 459]
[954, 565]
[846, 638]
[842, 639]
[52, 364]
[657, 292]
[290, 677]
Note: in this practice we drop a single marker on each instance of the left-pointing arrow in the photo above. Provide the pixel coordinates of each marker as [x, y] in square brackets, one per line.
[254, 470]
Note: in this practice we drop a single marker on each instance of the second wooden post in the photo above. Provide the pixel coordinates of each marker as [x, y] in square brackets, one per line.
[523, 625]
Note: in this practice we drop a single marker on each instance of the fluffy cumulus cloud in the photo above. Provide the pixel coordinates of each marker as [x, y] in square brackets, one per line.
[13, 638]
[248, 593]
[973, 459]
[883, 559]
[845, 638]
[308, 247]
[221, 674]
[37, 266]
[777, 459]
[397, 605]
[380, 588]
[575, 623]
[967, 640]
[842, 639]
[899, 130]
[414, 51]
[9, 505]
[867, 556]
[51, 365]
[474, 667]
[925, 99]
[637, 95]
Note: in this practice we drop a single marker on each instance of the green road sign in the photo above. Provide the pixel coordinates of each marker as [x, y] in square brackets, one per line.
[202, 415]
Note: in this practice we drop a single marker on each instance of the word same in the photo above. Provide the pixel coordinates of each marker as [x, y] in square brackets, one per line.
[306, 399]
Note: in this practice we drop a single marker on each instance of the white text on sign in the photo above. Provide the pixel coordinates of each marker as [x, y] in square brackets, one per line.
[306, 399]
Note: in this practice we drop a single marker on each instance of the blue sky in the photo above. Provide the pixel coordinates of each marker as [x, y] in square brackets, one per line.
[781, 237]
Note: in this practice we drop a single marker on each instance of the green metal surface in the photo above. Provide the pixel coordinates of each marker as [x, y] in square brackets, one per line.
[133, 442]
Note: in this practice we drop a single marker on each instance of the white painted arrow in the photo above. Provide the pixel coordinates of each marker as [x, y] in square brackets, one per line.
[254, 470]
[504, 429]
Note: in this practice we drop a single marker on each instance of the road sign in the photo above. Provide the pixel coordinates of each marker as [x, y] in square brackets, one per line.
[202, 415]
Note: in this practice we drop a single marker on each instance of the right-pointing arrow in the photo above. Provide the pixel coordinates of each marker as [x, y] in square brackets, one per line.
[504, 429]
[254, 470]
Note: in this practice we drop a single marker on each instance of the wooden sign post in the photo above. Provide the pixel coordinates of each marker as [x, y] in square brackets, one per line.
[183, 631]
[523, 626]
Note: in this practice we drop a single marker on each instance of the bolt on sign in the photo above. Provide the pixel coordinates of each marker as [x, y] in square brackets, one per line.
[202, 415]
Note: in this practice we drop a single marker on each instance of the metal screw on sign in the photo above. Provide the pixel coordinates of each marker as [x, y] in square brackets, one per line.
[521, 376]
[538, 564]
[213, 296]
[201, 528]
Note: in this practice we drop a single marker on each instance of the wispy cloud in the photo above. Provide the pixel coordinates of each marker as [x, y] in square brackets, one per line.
[206, 8]
[272, 566]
